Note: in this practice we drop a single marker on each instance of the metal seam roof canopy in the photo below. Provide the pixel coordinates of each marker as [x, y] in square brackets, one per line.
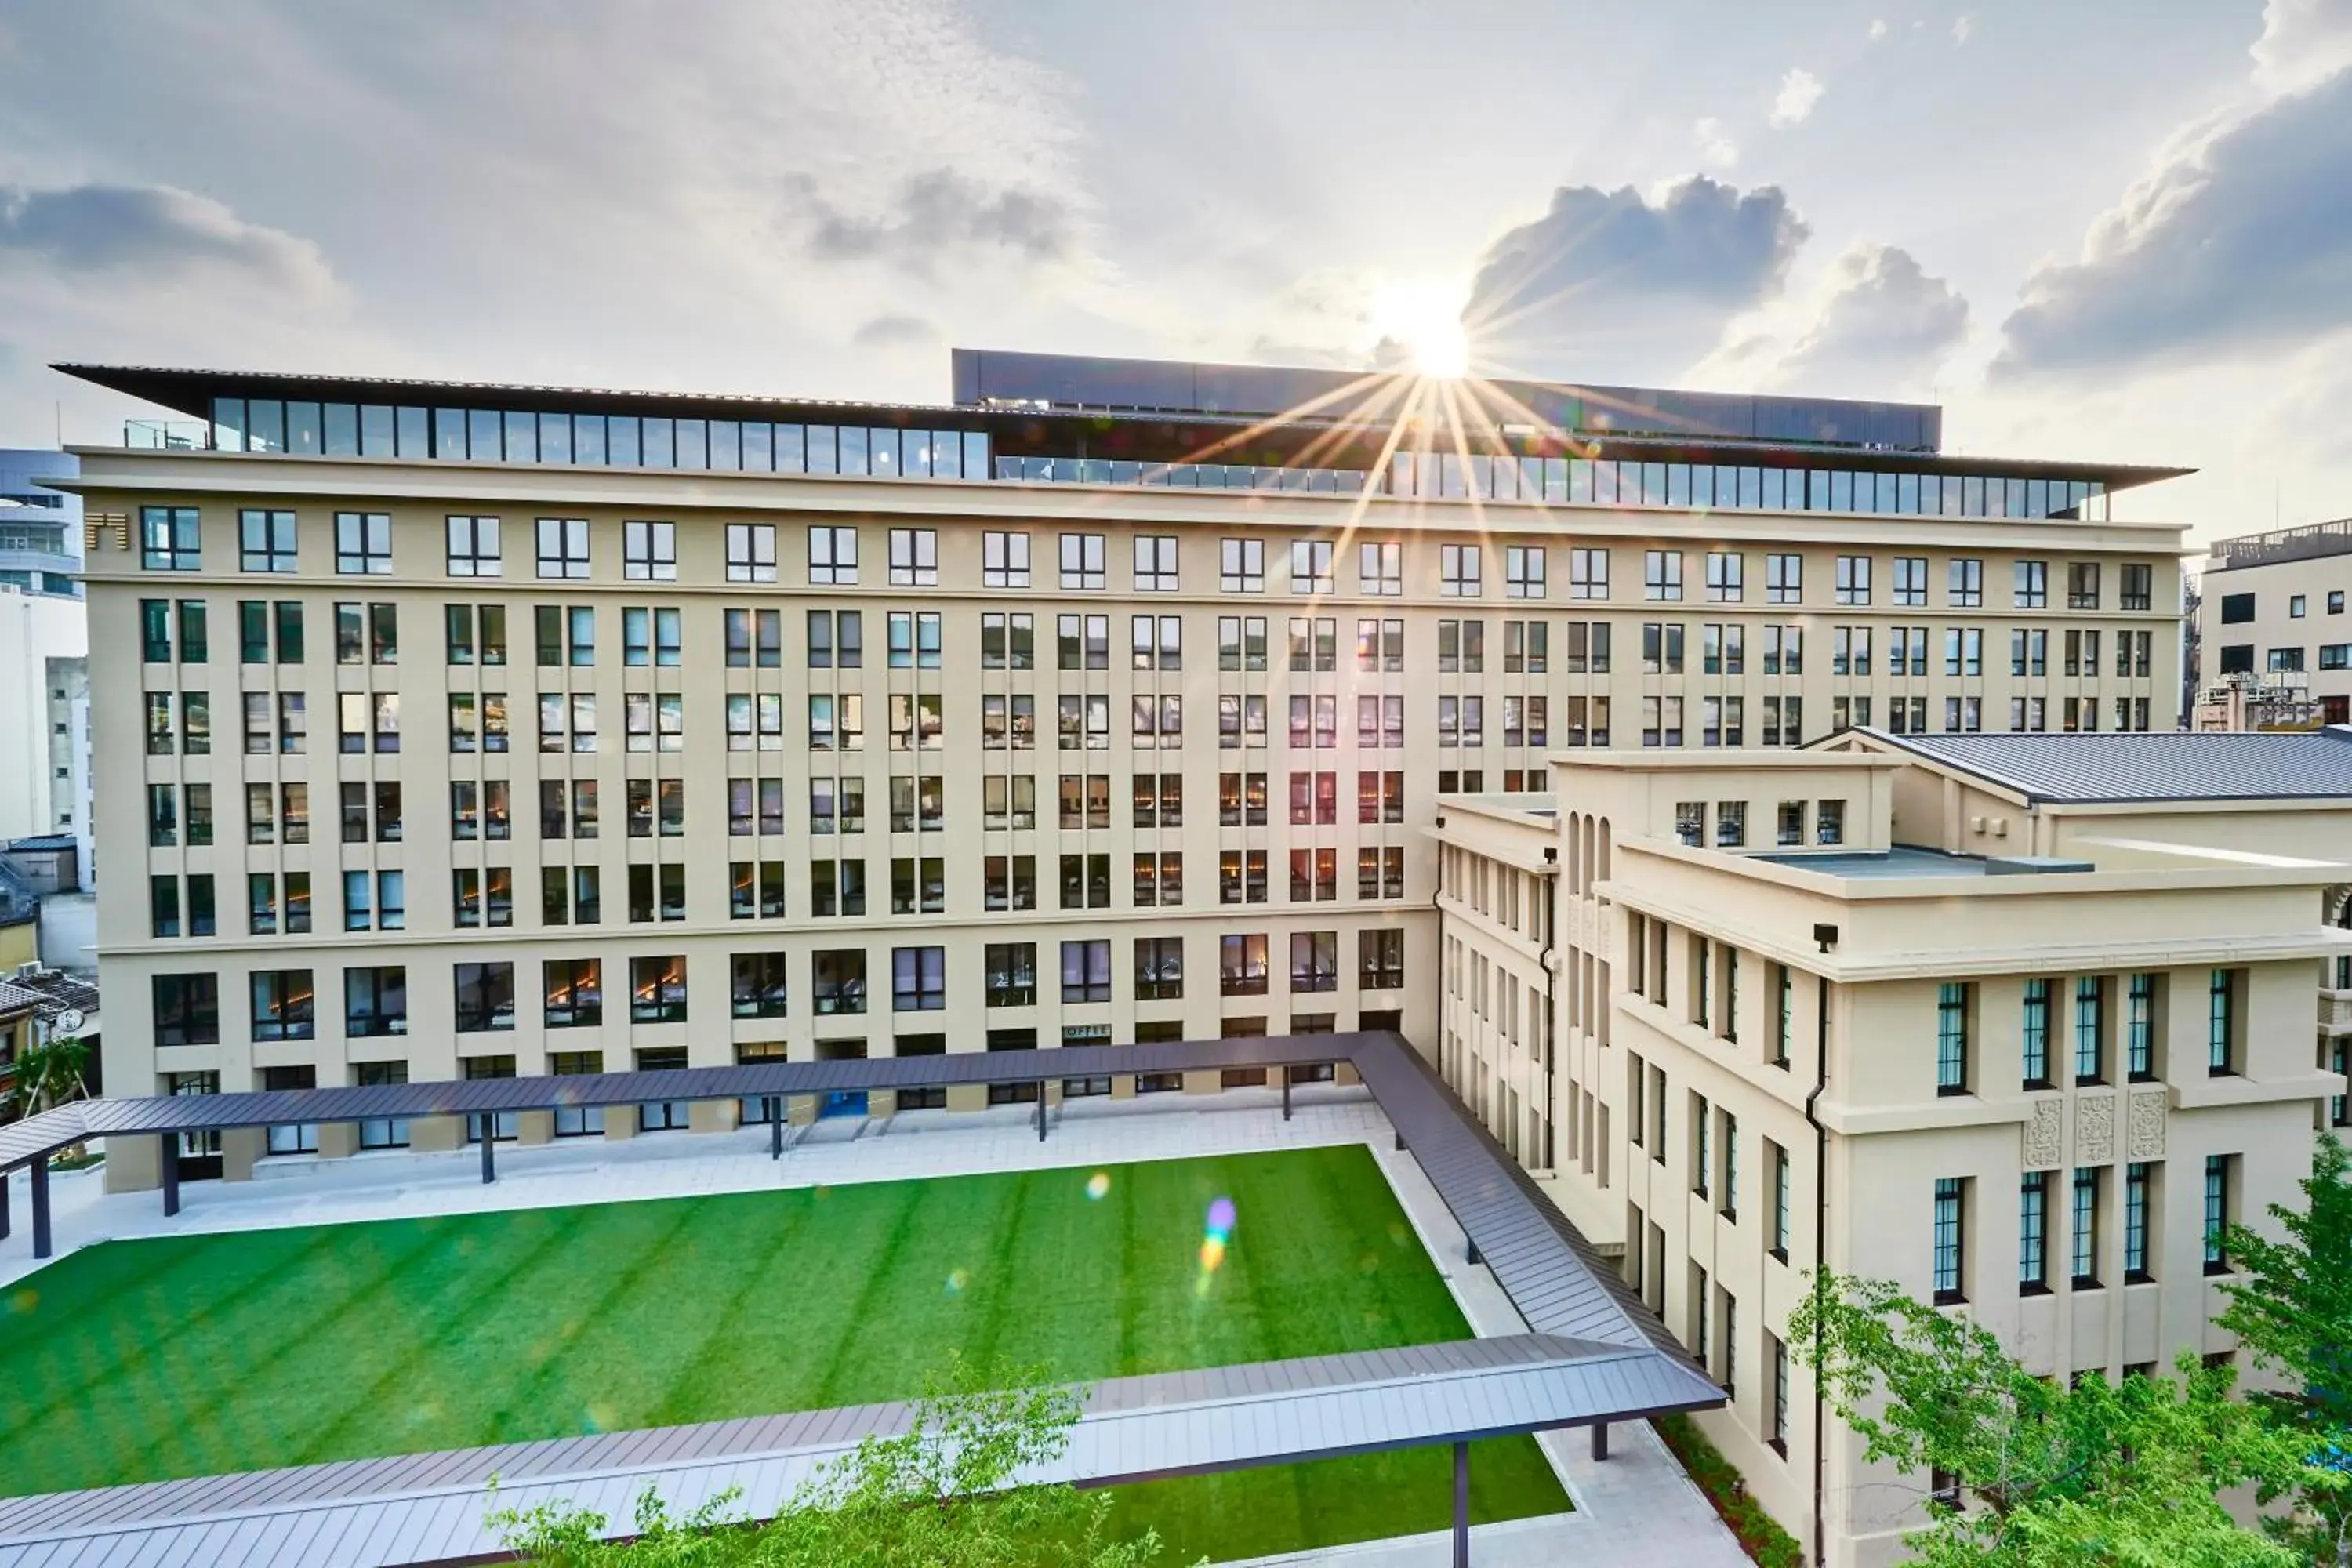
[427, 1507]
[2127, 767]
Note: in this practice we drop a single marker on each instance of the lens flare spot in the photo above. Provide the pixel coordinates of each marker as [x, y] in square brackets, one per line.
[1398, 1235]
[957, 1279]
[1098, 1187]
[1221, 1215]
[1370, 1263]
[23, 1302]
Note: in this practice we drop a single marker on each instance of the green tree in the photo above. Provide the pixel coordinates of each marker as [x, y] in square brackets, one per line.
[2052, 1476]
[2290, 1307]
[945, 1494]
[45, 1077]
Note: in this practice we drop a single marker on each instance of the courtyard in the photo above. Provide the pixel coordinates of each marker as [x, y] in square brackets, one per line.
[195, 1353]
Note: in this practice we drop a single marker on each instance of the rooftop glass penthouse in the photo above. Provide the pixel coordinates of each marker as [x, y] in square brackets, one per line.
[1039, 418]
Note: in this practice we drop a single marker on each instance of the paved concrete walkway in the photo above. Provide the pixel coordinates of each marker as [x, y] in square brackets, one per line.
[1636, 1506]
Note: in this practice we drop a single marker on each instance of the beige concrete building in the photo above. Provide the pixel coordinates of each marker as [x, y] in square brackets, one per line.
[2271, 610]
[459, 731]
[2016, 1021]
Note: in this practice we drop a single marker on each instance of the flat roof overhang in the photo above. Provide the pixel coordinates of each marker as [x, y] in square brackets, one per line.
[1307, 440]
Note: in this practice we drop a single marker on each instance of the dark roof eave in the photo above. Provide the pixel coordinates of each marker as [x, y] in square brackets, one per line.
[191, 392]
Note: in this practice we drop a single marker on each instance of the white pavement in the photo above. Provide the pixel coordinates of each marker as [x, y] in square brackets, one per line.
[1635, 1506]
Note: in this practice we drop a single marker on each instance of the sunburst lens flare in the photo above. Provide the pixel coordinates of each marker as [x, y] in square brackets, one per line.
[1425, 319]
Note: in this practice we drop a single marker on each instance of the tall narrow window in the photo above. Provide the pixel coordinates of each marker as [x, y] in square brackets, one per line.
[2090, 1033]
[2037, 1034]
[2139, 1029]
[1949, 1238]
[2083, 1261]
[2216, 1213]
[2221, 1021]
[2136, 1196]
[2033, 1233]
[1952, 1038]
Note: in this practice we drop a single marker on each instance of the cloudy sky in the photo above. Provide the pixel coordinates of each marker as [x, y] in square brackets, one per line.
[2109, 228]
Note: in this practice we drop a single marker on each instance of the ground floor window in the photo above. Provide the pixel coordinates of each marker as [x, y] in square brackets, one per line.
[1159, 1082]
[933, 1099]
[1243, 1077]
[1012, 1094]
[1080, 1088]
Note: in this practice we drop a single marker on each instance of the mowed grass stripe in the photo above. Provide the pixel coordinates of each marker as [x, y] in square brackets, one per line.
[144, 1360]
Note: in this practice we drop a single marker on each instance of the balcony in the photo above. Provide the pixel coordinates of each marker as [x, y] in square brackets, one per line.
[2335, 1011]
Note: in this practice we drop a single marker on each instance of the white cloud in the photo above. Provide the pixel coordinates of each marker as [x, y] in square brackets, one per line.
[2236, 244]
[1875, 323]
[1964, 27]
[1878, 28]
[2304, 42]
[1715, 143]
[1800, 89]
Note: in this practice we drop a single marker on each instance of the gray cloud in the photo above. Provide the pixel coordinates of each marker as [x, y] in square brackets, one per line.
[2242, 243]
[937, 213]
[895, 331]
[150, 231]
[1883, 318]
[1607, 284]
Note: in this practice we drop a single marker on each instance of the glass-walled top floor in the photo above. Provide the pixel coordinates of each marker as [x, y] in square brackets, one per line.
[508, 436]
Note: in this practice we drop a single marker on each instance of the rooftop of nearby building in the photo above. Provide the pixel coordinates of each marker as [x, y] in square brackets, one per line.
[2311, 542]
[1909, 861]
[2137, 768]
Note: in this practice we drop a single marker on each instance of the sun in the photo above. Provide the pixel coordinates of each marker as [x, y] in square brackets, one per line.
[1425, 317]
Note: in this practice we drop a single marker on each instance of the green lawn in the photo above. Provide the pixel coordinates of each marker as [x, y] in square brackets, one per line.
[144, 1360]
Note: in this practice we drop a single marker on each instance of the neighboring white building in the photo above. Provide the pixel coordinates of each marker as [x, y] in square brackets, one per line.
[2017, 1021]
[44, 652]
[2276, 606]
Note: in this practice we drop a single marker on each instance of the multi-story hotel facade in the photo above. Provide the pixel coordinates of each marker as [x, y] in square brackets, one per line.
[2019, 1022]
[462, 730]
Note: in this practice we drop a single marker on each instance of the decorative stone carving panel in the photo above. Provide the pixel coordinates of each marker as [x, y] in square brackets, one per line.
[2145, 1137]
[2095, 1129]
[2045, 1135]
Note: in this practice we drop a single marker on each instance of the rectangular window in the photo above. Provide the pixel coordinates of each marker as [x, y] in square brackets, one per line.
[832, 557]
[1085, 971]
[1460, 571]
[267, 541]
[1380, 569]
[1726, 573]
[2090, 1030]
[2032, 587]
[563, 547]
[2136, 1199]
[2221, 1021]
[751, 553]
[2217, 1211]
[1084, 557]
[2083, 1258]
[1964, 583]
[1661, 574]
[1241, 565]
[1952, 1037]
[2033, 1233]
[2036, 1033]
[170, 539]
[1155, 564]
[1784, 580]
[1003, 560]
[1911, 581]
[363, 543]
[1854, 579]
[1310, 566]
[1587, 573]
[474, 547]
[1949, 1240]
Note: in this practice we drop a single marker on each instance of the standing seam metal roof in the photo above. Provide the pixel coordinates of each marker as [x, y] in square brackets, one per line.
[2152, 766]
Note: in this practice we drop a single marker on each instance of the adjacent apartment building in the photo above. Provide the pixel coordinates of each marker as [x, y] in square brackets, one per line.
[2272, 628]
[452, 730]
[2019, 1021]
